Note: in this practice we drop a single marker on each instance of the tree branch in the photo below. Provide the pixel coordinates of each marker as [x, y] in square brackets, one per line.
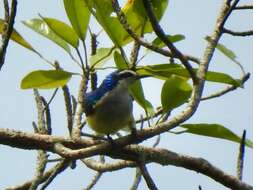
[131, 152]
[161, 34]
[9, 20]
[241, 7]
[236, 33]
[144, 172]
[108, 167]
[227, 89]
[123, 21]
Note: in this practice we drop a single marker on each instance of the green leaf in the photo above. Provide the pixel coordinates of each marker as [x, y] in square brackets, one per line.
[213, 130]
[42, 79]
[102, 10]
[164, 71]
[119, 61]
[102, 55]
[137, 17]
[175, 92]
[134, 10]
[223, 49]
[16, 37]
[138, 95]
[42, 28]
[79, 16]
[172, 39]
[63, 30]
[227, 52]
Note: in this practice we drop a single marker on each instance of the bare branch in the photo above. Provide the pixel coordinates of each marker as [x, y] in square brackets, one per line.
[242, 7]
[236, 33]
[47, 116]
[97, 176]
[227, 89]
[9, 20]
[46, 175]
[144, 172]
[41, 166]
[94, 181]
[107, 167]
[137, 180]
[241, 156]
[57, 170]
[134, 54]
[68, 106]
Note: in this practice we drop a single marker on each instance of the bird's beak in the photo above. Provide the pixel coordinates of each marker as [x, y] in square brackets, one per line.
[142, 76]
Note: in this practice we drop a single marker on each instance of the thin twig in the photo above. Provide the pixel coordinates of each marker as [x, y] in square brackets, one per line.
[227, 89]
[9, 20]
[68, 106]
[40, 110]
[46, 175]
[51, 99]
[6, 10]
[156, 114]
[81, 60]
[47, 116]
[96, 177]
[241, 7]
[108, 167]
[237, 33]
[134, 54]
[137, 180]
[102, 58]
[85, 57]
[136, 49]
[144, 172]
[241, 156]
[57, 170]
[41, 166]
[94, 181]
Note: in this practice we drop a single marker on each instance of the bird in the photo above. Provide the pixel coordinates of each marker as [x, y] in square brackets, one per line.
[109, 108]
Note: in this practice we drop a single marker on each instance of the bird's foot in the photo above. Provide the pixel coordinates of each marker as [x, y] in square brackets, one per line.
[133, 133]
[110, 140]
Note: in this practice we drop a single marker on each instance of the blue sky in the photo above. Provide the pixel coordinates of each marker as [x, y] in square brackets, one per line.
[195, 19]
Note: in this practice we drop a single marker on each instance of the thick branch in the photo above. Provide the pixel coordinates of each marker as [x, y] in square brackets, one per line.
[199, 165]
[131, 152]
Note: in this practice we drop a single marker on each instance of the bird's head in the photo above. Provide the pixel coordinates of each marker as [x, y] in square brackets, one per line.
[123, 78]
[126, 77]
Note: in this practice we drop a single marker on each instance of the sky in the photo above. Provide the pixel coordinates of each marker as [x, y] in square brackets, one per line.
[195, 19]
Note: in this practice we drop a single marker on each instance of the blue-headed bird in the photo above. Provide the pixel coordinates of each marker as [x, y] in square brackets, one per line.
[109, 108]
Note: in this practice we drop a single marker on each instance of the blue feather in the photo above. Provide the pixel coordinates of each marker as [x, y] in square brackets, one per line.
[93, 97]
